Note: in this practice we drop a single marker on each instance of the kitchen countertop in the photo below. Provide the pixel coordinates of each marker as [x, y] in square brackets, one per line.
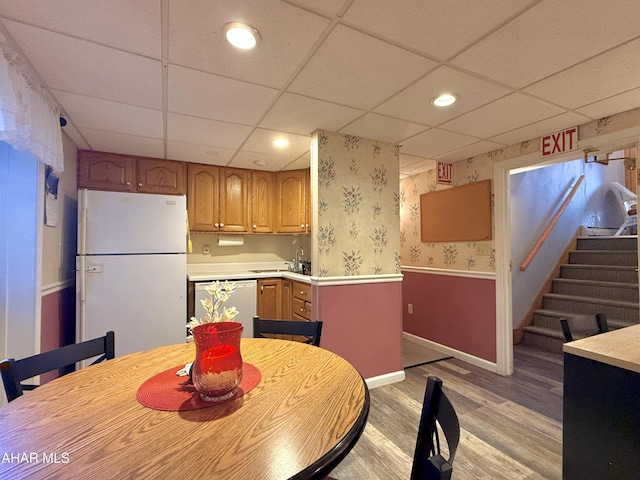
[210, 272]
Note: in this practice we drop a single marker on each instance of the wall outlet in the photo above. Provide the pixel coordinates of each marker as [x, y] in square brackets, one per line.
[410, 307]
[483, 248]
[206, 249]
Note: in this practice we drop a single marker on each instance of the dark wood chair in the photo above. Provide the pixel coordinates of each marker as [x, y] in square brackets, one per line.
[574, 328]
[14, 372]
[310, 330]
[437, 411]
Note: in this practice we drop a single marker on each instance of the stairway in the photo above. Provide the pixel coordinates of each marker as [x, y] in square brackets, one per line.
[601, 276]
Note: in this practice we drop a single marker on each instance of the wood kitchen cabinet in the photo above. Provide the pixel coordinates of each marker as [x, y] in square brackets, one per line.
[292, 201]
[218, 198]
[301, 301]
[126, 173]
[263, 201]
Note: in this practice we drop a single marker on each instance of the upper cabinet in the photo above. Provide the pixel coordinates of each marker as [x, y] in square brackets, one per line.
[125, 173]
[218, 198]
[263, 201]
[292, 199]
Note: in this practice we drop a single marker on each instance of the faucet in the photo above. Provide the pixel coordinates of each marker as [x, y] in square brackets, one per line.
[296, 262]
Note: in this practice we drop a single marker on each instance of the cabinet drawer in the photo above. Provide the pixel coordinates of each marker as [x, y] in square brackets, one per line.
[302, 308]
[302, 291]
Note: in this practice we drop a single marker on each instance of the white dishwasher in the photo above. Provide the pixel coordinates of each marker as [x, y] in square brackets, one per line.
[244, 298]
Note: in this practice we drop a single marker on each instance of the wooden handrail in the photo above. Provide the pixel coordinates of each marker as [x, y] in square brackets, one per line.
[552, 224]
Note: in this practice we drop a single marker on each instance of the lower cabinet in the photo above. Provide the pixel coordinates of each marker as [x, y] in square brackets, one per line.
[283, 299]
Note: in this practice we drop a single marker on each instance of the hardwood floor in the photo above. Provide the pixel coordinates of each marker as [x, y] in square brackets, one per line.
[511, 427]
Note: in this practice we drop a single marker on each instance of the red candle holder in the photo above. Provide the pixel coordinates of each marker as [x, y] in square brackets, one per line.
[217, 369]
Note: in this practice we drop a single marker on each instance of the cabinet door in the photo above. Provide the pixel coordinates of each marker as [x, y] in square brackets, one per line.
[234, 200]
[202, 199]
[287, 297]
[262, 202]
[160, 176]
[270, 301]
[291, 203]
[105, 171]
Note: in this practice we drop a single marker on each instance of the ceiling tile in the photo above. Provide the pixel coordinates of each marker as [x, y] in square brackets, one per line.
[121, 143]
[414, 103]
[435, 142]
[89, 69]
[272, 162]
[201, 131]
[327, 7]
[469, 151]
[300, 163]
[385, 129]
[599, 77]
[188, 152]
[211, 96]
[74, 135]
[261, 141]
[137, 23]
[512, 111]
[611, 105]
[303, 115]
[287, 35]
[535, 130]
[99, 114]
[358, 70]
[438, 27]
[551, 36]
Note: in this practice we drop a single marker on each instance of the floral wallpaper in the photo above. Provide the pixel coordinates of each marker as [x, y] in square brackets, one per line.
[358, 227]
[472, 256]
[475, 256]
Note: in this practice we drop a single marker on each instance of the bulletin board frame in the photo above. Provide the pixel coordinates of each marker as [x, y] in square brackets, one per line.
[457, 214]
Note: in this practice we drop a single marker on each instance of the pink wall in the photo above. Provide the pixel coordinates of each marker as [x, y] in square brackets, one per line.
[363, 324]
[57, 323]
[458, 312]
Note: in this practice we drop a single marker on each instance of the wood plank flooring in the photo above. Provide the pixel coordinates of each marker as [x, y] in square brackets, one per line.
[511, 427]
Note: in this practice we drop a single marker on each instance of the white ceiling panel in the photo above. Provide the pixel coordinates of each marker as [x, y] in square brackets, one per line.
[218, 98]
[189, 152]
[599, 76]
[515, 110]
[98, 114]
[435, 142]
[358, 70]
[551, 36]
[261, 141]
[89, 69]
[156, 78]
[137, 23]
[287, 35]
[260, 161]
[201, 131]
[102, 141]
[473, 92]
[382, 128]
[303, 115]
[438, 27]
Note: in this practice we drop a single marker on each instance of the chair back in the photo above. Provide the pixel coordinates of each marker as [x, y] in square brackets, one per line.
[14, 372]
[311, 330]
[574, 328]
[428, 462]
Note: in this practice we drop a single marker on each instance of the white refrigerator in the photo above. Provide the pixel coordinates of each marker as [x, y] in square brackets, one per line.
[131, 269]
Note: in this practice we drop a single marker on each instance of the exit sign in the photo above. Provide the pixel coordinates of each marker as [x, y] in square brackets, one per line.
[559, 142]
[445, 173]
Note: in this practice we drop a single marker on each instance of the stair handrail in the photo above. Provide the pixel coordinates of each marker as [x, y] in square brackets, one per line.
[552, 224]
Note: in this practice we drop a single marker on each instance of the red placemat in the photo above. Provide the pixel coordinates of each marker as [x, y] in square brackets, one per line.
[167, 391]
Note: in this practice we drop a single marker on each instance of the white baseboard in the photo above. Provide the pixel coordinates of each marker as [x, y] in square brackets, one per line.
[386, 379]
[473, 360]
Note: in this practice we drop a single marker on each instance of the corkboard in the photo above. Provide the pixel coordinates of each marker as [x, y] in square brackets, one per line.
[457, 214]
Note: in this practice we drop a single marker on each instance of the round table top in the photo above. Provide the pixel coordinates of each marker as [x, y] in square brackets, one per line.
[306, 413]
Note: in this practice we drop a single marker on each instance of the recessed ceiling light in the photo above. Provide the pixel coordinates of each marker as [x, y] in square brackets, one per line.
[260, 163]
[240, 35]
[281, 142]
[445, 99]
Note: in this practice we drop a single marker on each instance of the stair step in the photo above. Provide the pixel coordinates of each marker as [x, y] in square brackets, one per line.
[627, 292]
[624, 311]
[544, 339]
[628, 242]
[606, 273]
[604, 257]
[550, 319]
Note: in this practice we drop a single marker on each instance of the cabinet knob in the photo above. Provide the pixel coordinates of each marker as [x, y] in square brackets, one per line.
[302, 226]
[255, 226]
[302, 293]
[222, 225]
[128, 183]
[216, 225]
[140, 184]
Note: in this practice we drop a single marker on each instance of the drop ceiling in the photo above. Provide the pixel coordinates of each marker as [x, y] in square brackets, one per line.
[155, 77]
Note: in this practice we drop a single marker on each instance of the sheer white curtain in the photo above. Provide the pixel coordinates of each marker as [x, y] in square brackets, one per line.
[29, 119]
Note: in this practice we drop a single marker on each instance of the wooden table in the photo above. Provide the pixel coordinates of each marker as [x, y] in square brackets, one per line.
[601, 409]
[304, 416]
